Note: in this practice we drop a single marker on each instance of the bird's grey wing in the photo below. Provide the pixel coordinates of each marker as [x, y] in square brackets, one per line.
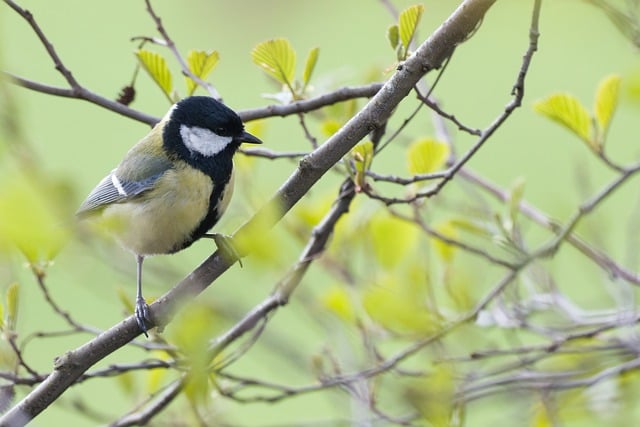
[117, 189]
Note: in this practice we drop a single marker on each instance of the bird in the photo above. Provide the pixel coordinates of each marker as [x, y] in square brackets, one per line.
[172, 186]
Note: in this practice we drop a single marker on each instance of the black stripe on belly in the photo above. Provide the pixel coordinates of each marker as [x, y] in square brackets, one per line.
[220, 183]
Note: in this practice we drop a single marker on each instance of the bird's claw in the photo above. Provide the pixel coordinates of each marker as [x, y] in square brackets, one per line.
[143, 315]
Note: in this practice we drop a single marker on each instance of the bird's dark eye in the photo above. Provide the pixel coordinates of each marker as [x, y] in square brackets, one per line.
[220, 131]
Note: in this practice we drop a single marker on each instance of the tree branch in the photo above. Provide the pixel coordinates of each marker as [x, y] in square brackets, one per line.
[430, 55]
[79, 92]
[304, 106]
[517, 93]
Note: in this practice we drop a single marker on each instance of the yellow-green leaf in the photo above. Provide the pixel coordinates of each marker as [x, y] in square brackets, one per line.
[12, 297]
[338, 301]
[191, 332]
[277, 58]
[433, 395]
[408, 22]
[30, 216]
[126, 300]
[310, 210]
[393, 239]
[330, 126]
[261, 240]
[154, 64]
[200, 64]
[426, 155]
[393, 35]
[606, 102]
[155, 377]
[443, 248]
[310, 65]
[569, 112]
[542, 417]
[397, 309]
[126, 381]
[362, 155]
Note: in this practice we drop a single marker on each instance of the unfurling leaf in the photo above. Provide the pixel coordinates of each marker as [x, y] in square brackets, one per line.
[310, 65]
[570, 113]
[606, 102]
[156, 66]
[408, 22]
[393, 35]
[200, 64]
[426, 156]
[362, 156]
[277, 58]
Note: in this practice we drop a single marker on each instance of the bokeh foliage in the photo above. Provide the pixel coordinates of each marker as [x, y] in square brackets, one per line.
[394, 275]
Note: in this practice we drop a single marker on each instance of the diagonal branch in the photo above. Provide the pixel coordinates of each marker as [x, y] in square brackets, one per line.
[517, 93]
[430, 55]
[279, 297]
[317, 244]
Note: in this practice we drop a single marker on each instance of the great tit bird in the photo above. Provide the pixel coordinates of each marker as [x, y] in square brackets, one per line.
[173, 185]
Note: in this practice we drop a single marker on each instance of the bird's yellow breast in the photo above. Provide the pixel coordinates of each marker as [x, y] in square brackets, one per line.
[162, 219]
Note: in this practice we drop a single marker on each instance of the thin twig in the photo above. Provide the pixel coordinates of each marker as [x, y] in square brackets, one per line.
[158, 403]
[265, 153]
[40, 280]
[80, 92]
[600, 258]
[517, 93]
[283, 290]
[307, 105]
[430, 55]
[172, 47]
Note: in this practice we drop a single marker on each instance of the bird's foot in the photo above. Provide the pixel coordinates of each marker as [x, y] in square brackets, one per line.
[143, 315]
[226, 247]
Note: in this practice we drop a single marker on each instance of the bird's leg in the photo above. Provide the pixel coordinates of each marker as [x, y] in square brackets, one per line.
[226, 246]
[142, 308]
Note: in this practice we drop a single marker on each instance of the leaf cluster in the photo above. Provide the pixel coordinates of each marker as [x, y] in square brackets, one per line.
[200, 65]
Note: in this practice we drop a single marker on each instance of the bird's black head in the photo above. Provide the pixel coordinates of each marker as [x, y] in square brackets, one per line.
[204, 132]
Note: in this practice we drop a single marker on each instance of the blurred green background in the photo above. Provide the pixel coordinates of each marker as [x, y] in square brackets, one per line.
[77, 143]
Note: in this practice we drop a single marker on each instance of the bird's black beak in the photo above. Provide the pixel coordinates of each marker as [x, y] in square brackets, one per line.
[248, 138]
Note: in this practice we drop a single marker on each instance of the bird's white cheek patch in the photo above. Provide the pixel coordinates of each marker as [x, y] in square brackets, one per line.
[203, 141]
